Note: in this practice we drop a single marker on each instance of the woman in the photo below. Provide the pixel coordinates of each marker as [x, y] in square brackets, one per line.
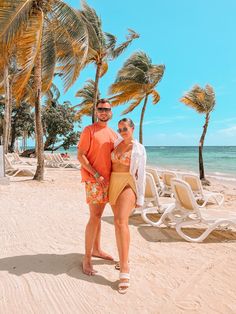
[126, 191]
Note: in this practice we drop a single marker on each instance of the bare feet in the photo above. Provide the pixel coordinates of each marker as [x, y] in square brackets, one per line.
[87, 267]
[103, 255]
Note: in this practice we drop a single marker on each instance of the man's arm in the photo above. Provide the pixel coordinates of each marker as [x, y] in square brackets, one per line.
[86, 165]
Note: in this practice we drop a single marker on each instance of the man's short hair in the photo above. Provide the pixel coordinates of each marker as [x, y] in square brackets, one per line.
[103, 101]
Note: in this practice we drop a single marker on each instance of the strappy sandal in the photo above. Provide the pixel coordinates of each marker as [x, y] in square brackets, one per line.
[123, 285]
[117, 265]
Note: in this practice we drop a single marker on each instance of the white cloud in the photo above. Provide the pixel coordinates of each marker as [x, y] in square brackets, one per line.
[224, 121]
[162, 120]
[229, 132]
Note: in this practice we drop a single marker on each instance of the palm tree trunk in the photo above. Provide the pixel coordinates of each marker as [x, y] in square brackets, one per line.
[201, 143]
[141, 120]
[7, 113]
[38, 121]
[96, 91]
[13, 138]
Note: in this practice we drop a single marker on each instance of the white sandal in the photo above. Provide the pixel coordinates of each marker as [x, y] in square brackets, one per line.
[124, 285]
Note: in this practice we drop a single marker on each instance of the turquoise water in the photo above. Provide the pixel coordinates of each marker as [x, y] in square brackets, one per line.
[218, 160]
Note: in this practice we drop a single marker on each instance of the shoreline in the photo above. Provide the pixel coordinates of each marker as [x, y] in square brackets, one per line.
[210, 176]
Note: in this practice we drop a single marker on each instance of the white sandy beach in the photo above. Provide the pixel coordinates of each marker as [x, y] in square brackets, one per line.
[42, 244]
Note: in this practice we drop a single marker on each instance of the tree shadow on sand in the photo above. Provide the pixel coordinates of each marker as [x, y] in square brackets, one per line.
[165, 234]
[54, 264]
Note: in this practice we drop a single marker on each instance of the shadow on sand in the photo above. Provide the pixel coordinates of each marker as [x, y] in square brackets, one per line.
[164, 234]
[54, 264]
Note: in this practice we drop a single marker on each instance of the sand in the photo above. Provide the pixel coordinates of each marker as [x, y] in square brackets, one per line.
[42, 244]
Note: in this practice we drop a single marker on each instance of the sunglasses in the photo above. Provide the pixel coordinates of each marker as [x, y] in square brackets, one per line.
[99, 109]
[125, 129]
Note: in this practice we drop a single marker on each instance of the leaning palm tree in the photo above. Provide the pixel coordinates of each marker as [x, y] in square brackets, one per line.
[102, 46]
[44, 33]
[87, 93]
[203, 101]
[135, 81]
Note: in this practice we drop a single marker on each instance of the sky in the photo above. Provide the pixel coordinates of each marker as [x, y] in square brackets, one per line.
[196, 42]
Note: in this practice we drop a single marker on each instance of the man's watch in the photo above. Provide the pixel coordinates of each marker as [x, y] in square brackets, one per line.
[96, 175]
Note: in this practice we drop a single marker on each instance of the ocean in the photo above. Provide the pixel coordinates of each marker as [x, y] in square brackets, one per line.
[219, 161]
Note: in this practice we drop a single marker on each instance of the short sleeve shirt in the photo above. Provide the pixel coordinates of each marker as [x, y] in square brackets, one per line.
[97, 142]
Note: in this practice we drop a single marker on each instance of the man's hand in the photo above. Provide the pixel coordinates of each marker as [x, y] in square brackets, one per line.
[102, 181]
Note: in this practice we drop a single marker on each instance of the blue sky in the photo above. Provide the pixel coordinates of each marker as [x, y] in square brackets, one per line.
[196, 42]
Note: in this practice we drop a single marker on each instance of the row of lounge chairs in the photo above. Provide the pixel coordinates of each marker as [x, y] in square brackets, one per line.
[56, 161]
[15, 166]
[164, 187]
[183, 210]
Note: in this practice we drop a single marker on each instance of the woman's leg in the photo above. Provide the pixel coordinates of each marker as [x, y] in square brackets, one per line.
[122, 209]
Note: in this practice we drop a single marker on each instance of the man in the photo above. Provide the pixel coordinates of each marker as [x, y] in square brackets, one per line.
[94, 153]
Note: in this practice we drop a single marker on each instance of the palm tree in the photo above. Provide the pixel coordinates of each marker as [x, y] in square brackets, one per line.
[102, 46]
[135, 81]
[203, 101]
[44, 33]
[87, 93]
[9, 71]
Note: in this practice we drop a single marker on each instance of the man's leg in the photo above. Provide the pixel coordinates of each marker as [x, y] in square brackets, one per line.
[97, 251]
[91, 231]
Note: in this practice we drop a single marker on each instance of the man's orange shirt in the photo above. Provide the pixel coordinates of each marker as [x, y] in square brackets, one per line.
[97, 142]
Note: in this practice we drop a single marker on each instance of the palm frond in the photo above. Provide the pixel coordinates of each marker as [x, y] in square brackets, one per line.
[125, 97]
[85, 111]
[71, 56]
[210, 97]
[94, 25]
[124, 86]
[13, 16]
[155, 97]
[48, 56]
[26, 50]
[155, 74]
[87, 93]
[132, 73]
[132, 106]
[140, 60]
[71, 41]
[110, 41]
[104, 69]
[130, 37]
[200, 99]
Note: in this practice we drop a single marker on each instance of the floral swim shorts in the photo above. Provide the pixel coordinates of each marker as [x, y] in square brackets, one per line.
[95, 193]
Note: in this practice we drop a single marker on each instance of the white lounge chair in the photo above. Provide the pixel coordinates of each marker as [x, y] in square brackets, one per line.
[158, 183]
[192, 214]
[13, 172]
[64, 163]
[201, 195]
[152, 202]
[18, 160]
[186, 212]
[166, 177]
[50, 162]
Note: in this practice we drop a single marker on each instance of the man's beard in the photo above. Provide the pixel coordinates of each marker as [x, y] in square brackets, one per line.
[104, 119]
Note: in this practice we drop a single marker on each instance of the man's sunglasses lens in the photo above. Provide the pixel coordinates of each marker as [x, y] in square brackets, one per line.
[122, 130]
[103, 109]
